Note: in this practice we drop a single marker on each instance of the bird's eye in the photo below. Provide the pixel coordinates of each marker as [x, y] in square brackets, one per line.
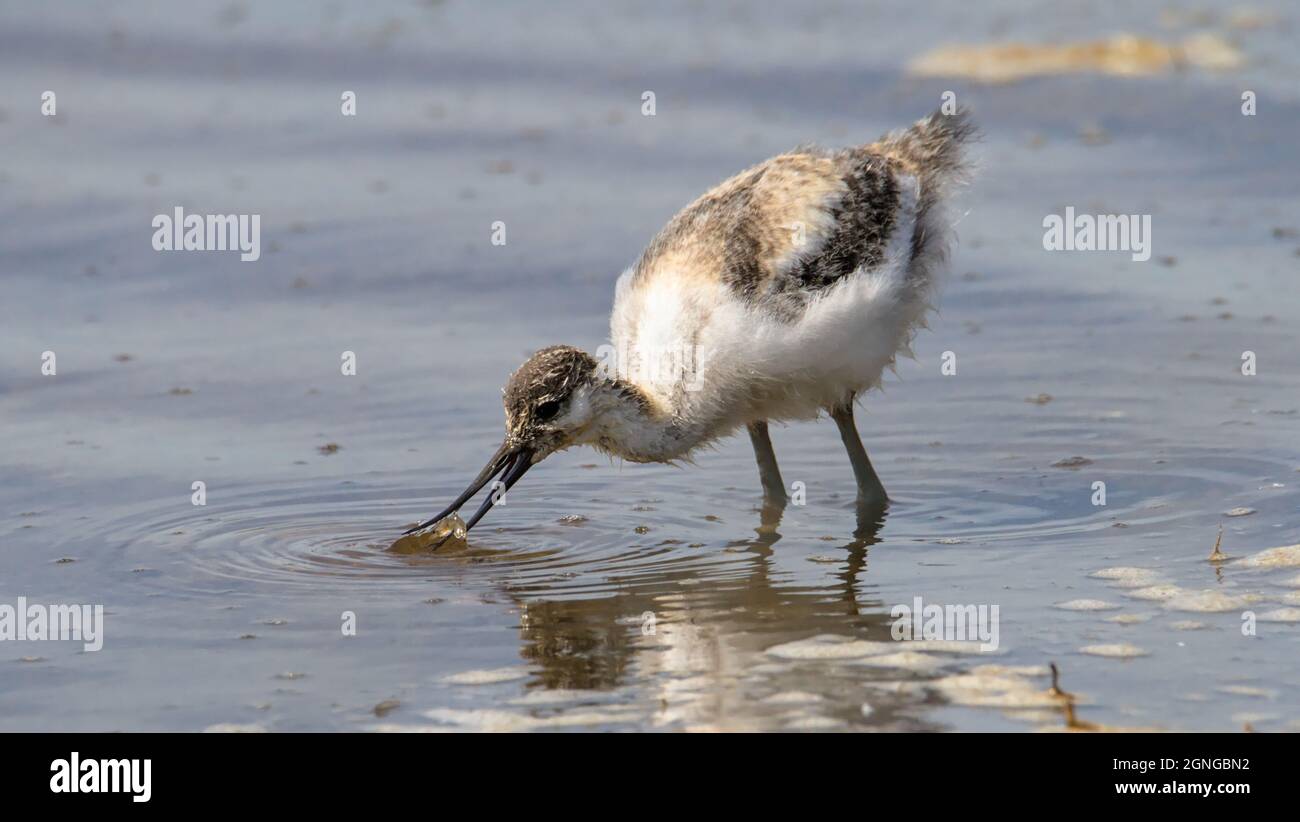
[546, 410]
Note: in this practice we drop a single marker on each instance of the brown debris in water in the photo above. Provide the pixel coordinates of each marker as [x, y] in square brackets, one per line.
[1216, 555]
[329, 448]
[1073, 723]
[1094, 135]
[1072, 462]
[1055, 690]
[1124, 55]
[446, 534]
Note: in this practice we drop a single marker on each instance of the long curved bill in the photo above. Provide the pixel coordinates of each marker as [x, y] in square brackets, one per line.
[510, 462]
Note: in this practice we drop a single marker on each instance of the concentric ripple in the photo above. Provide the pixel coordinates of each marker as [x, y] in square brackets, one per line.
[338, 537]
[314, 536]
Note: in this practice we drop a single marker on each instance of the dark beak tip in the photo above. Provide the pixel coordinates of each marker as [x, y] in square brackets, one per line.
[510, 463]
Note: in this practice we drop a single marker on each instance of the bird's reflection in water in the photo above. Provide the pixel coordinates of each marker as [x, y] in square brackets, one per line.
[696, 642]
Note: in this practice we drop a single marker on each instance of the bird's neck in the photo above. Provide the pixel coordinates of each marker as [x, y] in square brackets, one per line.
[628, 422]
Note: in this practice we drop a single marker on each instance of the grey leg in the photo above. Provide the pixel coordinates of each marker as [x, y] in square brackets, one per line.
[768, 472]
[869, 487]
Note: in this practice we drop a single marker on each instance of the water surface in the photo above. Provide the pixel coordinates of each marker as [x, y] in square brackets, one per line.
[607, 596]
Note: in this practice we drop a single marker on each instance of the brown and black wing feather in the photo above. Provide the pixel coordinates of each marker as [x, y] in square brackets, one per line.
[802, 221]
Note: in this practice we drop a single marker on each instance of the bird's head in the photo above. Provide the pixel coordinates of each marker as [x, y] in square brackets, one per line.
[548, 400]
[552, 402]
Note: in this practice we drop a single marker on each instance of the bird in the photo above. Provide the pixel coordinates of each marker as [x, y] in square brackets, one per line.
[781, 294]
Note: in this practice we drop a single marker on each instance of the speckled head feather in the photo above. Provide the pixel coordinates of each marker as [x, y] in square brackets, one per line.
[539, 389]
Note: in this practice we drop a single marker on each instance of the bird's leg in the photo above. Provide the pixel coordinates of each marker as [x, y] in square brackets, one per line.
[869, 488]
[768, 472]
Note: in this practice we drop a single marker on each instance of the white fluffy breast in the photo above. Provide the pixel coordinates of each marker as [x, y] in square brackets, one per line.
[754, 363]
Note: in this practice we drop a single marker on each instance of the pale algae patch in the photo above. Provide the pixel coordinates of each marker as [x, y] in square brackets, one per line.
[909, 688]
[793, 698]
[1123, 54]
[906, 661]
[1126, 577]
[1210, 601]
[1253, 718]
[546, 698]
[235, 728]
[832, 647]
[487, 676]
[1155, 593]
[763, 669]
[1143, 584]
[1000, 686]
[1117, 650]
[1281, 615]
[1086, 605]
[946, 646]
[1130, 619]
[499, 721]
[1249, 690]
[1286, 556]
[813, 723]
[1189, 625]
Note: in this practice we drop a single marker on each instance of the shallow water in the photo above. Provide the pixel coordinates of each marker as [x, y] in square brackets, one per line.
[607, 596]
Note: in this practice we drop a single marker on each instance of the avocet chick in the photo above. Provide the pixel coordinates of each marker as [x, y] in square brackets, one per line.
[784, 292]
